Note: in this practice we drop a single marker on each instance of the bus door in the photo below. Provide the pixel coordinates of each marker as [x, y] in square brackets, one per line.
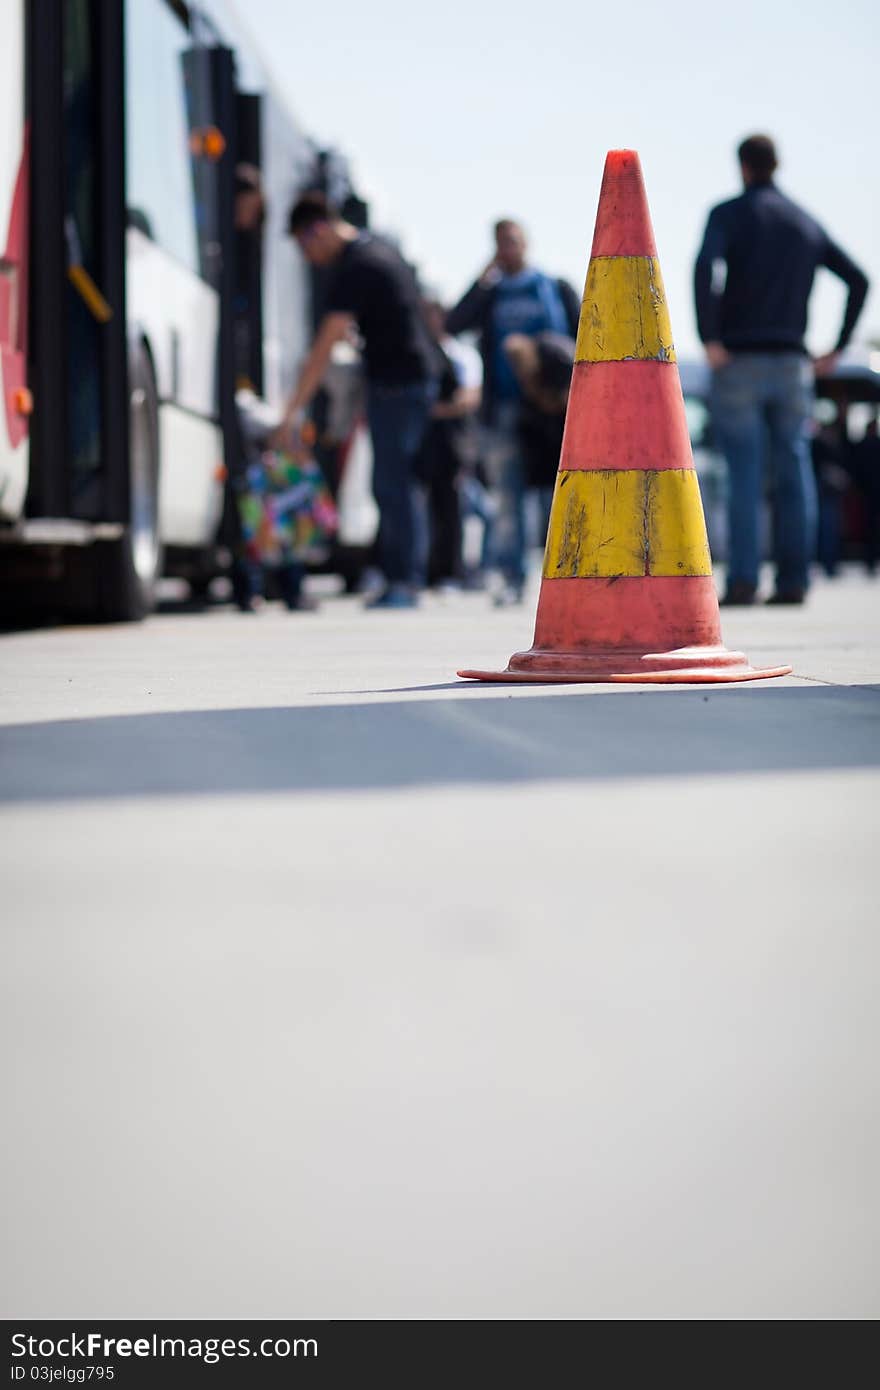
[214, 110]
[79, 465]
[248, 326]
[209, 145]
[230, 121]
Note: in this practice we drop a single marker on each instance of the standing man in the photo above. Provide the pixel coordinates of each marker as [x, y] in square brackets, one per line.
[374, 292]
[753, 331]
[447, 446]
[510, 297]
[249, 212]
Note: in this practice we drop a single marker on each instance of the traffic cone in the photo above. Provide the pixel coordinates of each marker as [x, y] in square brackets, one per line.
[627, 591]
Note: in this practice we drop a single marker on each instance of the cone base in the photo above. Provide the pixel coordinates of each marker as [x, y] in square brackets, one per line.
[685, 666]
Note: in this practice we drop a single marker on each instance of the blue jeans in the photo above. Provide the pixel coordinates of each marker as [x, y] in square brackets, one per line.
[761, 410]
[398, 419]
[505, 466]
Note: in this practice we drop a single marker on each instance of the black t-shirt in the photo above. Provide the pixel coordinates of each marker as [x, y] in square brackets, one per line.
[372, 282]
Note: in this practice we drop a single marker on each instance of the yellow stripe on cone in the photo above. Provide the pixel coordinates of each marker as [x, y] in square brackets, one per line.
[623, 313]
[610, 522]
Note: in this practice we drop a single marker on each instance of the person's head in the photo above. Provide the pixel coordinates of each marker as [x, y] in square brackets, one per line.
[250, 205]
[757, 159]
[542, 366]
[316, 226]
[521, 352]
[510, 245]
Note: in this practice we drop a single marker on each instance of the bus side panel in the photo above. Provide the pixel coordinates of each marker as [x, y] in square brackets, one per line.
[14, 450]
[177, 314]
[190, 490]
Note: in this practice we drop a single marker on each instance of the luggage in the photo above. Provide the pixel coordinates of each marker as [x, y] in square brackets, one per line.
[287, 511]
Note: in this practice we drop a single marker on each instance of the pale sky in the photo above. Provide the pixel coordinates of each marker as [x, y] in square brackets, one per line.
[453, 114]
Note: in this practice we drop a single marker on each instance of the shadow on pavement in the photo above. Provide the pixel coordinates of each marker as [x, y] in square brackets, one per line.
[442, 742]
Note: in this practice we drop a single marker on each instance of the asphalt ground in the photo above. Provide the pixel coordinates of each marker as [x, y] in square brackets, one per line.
[335, 987]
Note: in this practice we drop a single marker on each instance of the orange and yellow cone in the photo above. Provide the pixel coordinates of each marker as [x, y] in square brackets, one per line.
[627, 591]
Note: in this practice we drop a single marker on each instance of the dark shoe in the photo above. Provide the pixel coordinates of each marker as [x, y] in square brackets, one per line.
[739, 595]
[247, 585]
[397, 596]
[787, 596]
[474, 579]
[301, 603]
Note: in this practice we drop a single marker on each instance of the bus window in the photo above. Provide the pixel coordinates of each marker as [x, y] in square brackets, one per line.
[159, 162]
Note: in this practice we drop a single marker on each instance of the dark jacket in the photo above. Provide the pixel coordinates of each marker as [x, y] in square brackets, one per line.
[771, 249]
[474, 313]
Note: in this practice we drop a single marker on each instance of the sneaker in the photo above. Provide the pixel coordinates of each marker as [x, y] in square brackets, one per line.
[397, 596]
[787, 596]
[370, 582]
[508, 596]
[739, 595]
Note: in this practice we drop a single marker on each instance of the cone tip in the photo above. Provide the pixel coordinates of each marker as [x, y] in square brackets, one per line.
[623, 222]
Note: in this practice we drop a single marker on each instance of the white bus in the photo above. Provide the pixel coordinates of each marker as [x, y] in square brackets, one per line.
[129, 306]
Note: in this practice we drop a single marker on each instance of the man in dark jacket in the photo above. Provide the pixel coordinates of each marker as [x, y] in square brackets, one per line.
[510, 297]
[753, 331]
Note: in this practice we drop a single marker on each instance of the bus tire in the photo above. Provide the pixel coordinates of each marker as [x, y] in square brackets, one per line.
[128, 569]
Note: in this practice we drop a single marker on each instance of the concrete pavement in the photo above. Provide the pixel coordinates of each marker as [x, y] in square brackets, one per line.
[337, 988]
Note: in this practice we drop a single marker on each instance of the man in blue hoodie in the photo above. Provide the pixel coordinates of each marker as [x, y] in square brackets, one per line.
[510, 297]
[752, 320]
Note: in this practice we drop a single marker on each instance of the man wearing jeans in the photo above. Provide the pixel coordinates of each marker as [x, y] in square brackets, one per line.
[373, 291]
[753, 328]
[510, 297]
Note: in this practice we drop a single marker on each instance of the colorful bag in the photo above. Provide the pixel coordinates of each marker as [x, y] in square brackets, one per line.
[287, 511]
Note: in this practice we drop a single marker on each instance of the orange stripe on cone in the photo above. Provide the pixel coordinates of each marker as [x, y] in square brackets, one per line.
[627, 614]
[625, 415]
[623, 222]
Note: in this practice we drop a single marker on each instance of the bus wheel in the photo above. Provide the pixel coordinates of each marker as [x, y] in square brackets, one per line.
[129, 568]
